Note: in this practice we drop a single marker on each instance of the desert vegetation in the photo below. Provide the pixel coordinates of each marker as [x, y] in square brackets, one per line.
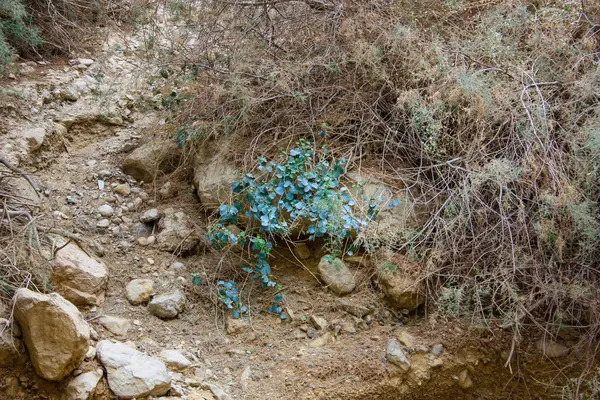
[480, 118]
[484, 114]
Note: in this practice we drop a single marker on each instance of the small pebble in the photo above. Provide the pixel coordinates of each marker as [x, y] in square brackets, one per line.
[106, 210]
[103, 224]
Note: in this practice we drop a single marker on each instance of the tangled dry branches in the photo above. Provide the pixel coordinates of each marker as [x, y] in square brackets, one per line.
[485, 114]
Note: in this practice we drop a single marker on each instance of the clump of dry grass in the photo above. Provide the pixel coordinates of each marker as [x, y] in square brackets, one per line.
[18, 232]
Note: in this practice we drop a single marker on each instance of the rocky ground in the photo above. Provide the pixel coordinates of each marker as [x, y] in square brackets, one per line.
[130, 320]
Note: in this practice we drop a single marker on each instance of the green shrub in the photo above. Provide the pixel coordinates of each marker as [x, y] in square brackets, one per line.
[301, 191]
[16, 31]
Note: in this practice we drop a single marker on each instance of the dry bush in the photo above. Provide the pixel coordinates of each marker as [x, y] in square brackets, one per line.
[65, 25]
[18, 233]
[486, 113]
[35, 28]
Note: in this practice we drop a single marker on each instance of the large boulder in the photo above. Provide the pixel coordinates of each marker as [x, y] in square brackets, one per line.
[83, 386]
[78, 277]
[152, 160]
[213, 180]
[336, 275]
[395, 214]
[12, 351]
[54, 331]
[177, 233]
[132, 374]
[397, 281]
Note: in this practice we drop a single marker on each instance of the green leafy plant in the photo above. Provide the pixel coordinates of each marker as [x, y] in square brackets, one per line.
[299, 192]
[229, 295]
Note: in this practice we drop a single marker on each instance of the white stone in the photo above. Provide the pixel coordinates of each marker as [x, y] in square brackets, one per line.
[91, 354]
[34, 137]
[177, 232]
[174, 359]
[78, 277]
[83, 386]
[150, 216]
[336, 275]
[115, 325]
[168, 305]
[103, 224]
[132, 374]
[106, 210]
[139, 291]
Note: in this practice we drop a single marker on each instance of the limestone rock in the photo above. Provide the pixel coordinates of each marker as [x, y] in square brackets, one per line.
[132, 374]
[177, 267]
[347, 327]
[34, 137]
[54, 331]
[319, 322]
[115, 325]
[177, 232]
[150, 216]
[353, 309]
[174, 359]
[12, 351]
[103, 224]
[400, 288]
[78, 277]
[83, 386]
[213, 181]
[85, 61]
[234, 326]
[395, 355]
[20, 189]
[152, 160]
[91, 354]
[322, 341]
[168, 305]
[336, 275]
[139, 291]
[406, 339]
[391, 222]
[219, 393]
[437, 349]
[123, 189]
[106, 210]
[70, 94]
